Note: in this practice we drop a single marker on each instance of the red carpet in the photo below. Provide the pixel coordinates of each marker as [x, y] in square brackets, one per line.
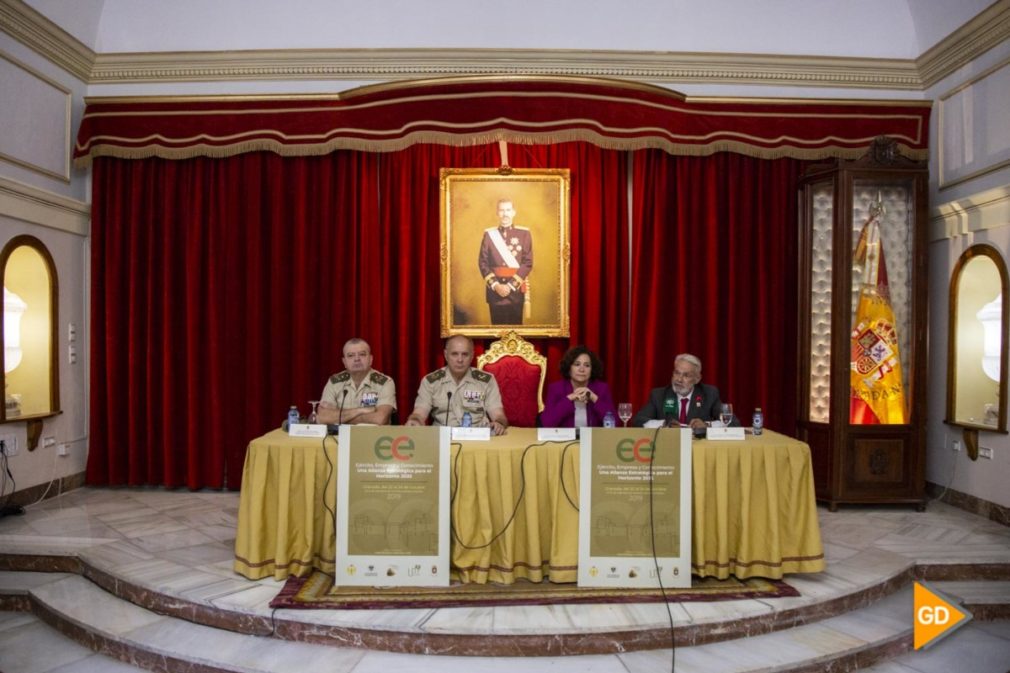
[317, 592]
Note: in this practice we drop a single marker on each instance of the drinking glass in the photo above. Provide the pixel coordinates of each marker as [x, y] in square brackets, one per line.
[312, 416]
[624, 412]
[726, 414]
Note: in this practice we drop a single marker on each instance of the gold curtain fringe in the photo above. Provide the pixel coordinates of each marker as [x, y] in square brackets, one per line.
[483, 138]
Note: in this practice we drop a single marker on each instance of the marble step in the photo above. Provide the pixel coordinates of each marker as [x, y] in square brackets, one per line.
[215, 596]
[28, 645]
[113, 627]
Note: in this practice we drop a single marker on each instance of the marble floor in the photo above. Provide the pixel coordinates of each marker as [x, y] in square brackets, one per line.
[178, 545]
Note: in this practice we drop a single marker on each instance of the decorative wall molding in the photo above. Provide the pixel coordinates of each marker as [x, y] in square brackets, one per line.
[31, 204]
[373, 64]
[41, 98]
[976, 124]
[990, 28]
[44, 37]
[34, 30]
[985, 210]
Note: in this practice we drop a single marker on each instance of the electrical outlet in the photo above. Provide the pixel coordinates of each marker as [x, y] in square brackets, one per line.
[956, 445]
[62, 450]
[10, 444]
[47, 442]
[71, 332]
[985, 452]
[72, 354]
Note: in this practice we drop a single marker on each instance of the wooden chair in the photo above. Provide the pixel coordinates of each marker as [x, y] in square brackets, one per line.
[520, 371]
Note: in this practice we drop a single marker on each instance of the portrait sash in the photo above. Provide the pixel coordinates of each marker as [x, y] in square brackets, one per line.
[502, 248]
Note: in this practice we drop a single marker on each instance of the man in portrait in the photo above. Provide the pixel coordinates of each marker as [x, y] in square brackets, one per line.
[505, 262]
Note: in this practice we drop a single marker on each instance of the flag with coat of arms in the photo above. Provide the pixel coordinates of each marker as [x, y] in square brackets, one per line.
[878, 394]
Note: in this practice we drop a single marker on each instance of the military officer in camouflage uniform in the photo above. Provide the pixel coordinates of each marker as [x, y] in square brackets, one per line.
[447, 393]
[505, 261]
[359, 394]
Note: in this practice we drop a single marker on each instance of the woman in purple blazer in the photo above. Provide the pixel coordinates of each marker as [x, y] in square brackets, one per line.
[581, 398]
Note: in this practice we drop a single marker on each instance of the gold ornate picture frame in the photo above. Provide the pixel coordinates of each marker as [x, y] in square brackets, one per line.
[522, 271]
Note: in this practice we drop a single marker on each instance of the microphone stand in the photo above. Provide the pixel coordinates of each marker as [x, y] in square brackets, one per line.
[448, 401]
[340, 412]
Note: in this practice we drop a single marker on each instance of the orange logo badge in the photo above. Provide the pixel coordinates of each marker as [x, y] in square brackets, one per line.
[935, 617]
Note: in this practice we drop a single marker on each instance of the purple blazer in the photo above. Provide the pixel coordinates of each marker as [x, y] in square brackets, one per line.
[559, 411]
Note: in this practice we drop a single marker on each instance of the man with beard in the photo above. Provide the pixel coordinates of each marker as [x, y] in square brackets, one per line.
[695, 403]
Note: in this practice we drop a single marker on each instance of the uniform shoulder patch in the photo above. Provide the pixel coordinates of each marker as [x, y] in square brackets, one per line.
[378, 378]
[435, 376]
[518, 228]
[340, 378]
[483, 377]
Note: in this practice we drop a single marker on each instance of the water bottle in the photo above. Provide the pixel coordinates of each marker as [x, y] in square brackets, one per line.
[759, 421]
[292, 416]
[467, 419]
[609, 421]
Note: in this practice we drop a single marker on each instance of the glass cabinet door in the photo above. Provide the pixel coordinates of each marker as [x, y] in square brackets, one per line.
[882, 248]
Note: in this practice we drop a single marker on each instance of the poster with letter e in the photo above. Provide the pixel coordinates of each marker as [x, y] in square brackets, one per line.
[392, 506]
[635, 508]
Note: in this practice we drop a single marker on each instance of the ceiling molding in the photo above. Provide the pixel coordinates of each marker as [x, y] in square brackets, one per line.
[44, 37]
[372, 64]
[990, 28]
[987, 30]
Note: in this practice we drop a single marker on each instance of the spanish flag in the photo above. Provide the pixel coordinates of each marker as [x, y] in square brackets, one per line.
[878, 394]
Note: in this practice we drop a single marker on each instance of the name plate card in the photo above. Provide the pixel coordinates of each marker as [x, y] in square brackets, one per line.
[392, 525]
[306, 430]
[556, 434]
[471, 434]
[635, 507]
[736, 434]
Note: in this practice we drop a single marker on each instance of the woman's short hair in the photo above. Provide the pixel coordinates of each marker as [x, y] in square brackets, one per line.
[573, 353]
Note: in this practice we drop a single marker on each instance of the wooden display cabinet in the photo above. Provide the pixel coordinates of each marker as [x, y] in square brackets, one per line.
[862, 339]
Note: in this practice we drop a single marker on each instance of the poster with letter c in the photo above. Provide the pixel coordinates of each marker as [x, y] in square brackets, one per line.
[635, 508]
[392, 525]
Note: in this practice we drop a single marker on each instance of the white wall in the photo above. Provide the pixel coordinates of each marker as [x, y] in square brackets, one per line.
[977, 129]
[881, 28]
[53, 209]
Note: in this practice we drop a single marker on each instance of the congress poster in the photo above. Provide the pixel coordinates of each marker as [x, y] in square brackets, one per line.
[635, 508]
[392, 525]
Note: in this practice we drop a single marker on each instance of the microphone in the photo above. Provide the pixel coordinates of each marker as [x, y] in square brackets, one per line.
[670, 411]
[340, 412]
[448, 400]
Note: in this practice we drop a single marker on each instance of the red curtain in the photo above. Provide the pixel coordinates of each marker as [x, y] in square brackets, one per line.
[714, 273]
[223, 290]
[469, 111]
[219, 288]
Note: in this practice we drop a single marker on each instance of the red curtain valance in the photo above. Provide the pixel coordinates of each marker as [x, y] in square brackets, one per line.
[471, 111]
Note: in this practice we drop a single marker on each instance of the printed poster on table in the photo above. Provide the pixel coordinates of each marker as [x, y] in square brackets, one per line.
[635, 508]
[392, 524]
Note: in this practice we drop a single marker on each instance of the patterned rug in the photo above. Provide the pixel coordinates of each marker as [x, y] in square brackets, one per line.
[317, 592]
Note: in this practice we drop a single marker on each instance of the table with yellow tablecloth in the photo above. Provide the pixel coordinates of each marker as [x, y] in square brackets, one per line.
[514, 508]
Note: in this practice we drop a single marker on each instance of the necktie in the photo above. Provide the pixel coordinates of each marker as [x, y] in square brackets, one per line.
[683, 411]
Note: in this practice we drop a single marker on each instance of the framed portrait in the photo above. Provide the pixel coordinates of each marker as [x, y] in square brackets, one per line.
[505, 251]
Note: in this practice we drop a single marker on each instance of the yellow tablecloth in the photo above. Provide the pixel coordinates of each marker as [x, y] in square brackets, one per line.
[753, 508]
